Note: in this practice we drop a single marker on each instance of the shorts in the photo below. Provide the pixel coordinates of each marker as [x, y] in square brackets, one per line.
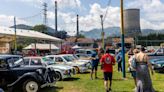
[94, 67]
[133, 73]
[108, 76]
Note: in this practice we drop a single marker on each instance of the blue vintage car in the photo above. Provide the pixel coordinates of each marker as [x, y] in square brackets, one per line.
[158, 65]
[27, 79]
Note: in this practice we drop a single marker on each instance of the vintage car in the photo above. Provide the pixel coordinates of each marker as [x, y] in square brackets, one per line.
[69, 60]
[62, 71]
[159, 53]
[27, 79]
[158, 65]
[89, 52]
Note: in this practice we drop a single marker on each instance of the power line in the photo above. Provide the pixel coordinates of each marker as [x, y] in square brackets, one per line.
[109, 2]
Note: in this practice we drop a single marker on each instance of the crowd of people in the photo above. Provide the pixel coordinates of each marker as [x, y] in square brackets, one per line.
[138, 66]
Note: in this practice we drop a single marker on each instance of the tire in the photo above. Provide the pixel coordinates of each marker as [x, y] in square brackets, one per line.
[30, 86]
[58, 76]
[77, 69]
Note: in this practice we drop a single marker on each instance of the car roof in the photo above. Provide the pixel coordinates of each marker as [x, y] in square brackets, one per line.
[34, 57]
[8, 56]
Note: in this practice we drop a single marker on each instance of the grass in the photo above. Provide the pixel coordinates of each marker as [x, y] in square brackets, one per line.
[83, 83]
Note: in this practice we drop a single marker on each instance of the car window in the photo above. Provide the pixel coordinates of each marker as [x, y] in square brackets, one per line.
[51, 58]
[3, 64]
[88, 52]
[160, 52]
[26, 61]
[36, 61]
[58, 59]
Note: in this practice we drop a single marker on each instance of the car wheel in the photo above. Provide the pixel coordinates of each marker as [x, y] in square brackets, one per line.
[58, 76]
[30, 86]
[77, 69]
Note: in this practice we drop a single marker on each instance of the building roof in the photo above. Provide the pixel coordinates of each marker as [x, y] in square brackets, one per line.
[127, 40]
[80, 40]
[7, 35]
[41, 46]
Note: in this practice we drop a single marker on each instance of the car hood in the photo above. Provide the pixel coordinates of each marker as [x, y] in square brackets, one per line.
[81, 60]
[76, 63]
[61, 66]
[159, 62]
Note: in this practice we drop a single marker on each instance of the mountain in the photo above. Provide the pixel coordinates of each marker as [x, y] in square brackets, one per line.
[114, 31]
[22, 26]
[96, 33]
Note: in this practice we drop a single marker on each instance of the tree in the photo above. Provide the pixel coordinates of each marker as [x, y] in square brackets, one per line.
[81, 36]
[61, 34]
[40, 28]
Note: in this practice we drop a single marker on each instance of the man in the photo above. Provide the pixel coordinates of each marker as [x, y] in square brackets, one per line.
[107, 61]
[95, 61]
[119, 60]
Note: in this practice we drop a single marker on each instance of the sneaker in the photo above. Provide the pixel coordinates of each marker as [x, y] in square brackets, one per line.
[96, 77]
[107, 90]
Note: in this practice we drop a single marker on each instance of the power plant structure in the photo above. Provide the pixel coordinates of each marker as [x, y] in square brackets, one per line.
[132, 22]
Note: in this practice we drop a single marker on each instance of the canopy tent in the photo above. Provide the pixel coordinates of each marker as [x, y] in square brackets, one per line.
[7, 35]
[76, 47]
[41, 46]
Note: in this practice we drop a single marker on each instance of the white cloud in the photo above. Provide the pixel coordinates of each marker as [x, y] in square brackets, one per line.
[9, 21]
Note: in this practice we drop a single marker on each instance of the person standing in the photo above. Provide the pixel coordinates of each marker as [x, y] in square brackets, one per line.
[107, 61]
[132, 69]
[94, 62]
[144, 83]
[119, 60]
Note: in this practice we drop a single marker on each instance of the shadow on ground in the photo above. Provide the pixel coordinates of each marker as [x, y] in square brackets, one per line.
[71, 79]
[85, 72]
[51, 89]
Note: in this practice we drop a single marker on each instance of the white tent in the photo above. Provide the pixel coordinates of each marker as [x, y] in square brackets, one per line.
[7, 34]
[76, 47]
[41, 46]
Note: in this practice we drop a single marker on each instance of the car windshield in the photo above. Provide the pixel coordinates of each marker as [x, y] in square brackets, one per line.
[69, 58]
[3, 64]
[48, 61]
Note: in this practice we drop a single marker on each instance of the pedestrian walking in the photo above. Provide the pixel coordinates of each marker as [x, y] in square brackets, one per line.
[119, 60]
[107, 61]
[144, 83]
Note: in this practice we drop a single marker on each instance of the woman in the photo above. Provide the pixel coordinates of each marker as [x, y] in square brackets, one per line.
[144, 83]
[132, 70]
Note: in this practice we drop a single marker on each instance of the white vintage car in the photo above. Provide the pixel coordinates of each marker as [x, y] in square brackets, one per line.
[62, 71]
[67, 59]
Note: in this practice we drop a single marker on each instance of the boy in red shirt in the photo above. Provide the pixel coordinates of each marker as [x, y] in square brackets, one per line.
[107, 61]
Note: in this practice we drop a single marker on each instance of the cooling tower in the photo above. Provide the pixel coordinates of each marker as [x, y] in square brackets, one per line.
[132, 22]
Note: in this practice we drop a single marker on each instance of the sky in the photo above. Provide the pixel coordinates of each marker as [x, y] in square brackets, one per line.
[30, 12]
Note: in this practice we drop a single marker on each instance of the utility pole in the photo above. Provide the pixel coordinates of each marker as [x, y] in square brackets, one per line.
[15, 37]
[77, 33]
[122, 39]
[45, 14]
[102, 33]
[56, 27]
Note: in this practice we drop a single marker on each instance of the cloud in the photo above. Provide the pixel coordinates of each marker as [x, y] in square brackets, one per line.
[9, 21]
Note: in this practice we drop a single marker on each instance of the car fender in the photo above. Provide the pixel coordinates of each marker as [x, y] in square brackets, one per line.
[58, 70]
[28, 75]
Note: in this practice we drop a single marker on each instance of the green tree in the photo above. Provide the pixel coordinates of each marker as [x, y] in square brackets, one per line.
[40, 28]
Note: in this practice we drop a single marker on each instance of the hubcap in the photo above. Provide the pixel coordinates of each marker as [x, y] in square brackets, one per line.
[32, 86]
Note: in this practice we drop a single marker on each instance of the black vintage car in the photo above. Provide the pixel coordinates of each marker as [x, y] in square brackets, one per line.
[29, 79]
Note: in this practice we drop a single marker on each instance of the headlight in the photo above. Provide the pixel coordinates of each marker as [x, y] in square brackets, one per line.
[159, 65]
[40, 71]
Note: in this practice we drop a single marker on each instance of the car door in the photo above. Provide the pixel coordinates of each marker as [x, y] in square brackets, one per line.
[59, 60]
